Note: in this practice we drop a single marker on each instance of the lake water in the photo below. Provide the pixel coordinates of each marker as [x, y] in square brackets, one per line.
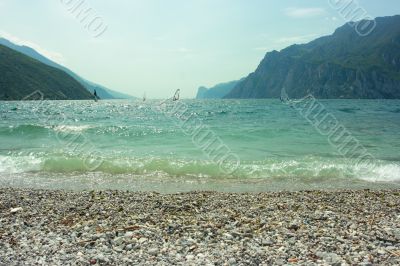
[263, 145]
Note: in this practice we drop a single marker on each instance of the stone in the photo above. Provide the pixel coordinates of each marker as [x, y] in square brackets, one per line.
[153, 251]
[231, 261]
[15, 210]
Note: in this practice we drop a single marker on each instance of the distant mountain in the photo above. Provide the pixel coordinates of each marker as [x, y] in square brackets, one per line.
[343, 65]
[102, 92]
[21, 75]
[216, 92]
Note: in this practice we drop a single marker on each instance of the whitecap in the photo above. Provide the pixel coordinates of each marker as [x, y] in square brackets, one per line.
[71, 128]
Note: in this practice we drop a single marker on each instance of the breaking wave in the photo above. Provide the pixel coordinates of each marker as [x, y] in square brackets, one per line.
[308, 168]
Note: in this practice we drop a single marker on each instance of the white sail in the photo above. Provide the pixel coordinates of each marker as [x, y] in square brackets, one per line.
[284, 95]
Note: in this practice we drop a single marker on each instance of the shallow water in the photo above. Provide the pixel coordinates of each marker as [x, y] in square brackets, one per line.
[267, 145]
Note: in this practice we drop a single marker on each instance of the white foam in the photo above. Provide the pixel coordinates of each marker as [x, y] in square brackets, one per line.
[382, 173]
[71, 128]
[20, 164]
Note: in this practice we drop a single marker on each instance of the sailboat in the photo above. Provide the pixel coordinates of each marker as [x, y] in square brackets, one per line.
[284, 96]
[286, 100]
[96, 98]
[144, 97]
[176, 95]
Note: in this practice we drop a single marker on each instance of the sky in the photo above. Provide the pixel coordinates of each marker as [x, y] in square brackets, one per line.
[157, 46]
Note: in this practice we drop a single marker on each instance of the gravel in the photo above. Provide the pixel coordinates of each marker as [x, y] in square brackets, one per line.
[45, 227]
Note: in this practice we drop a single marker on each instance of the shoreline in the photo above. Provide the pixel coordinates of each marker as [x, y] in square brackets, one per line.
[215, 228]
[137, 183]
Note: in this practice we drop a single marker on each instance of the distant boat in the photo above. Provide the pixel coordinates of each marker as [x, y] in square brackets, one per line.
[176, 96]
[286, 100]
[144, 97]
[284, 96]
[96, 98]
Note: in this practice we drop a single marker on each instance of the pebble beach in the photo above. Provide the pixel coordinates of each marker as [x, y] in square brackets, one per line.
[44, 227]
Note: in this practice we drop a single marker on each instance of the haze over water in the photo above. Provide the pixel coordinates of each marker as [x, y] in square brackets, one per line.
[142, 149]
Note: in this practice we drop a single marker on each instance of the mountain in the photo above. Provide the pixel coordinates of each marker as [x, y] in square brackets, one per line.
[342, 65]
[216, 92]
[21, 75]
[102, 92]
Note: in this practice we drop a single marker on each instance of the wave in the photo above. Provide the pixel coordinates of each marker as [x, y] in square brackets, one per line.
[45, 130]
[70, 128]
[40, 129]
[24, 129]
[308, 168]
[349, 110]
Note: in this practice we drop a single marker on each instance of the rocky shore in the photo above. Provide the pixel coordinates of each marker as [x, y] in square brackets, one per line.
[40, 227]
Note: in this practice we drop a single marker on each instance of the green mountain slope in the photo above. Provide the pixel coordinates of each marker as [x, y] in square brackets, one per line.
[343, 65]
[102, 92]
[21, 75]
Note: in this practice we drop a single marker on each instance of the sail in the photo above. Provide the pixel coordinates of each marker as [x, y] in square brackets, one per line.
[284, 95]
[96, 98]
[177, 94]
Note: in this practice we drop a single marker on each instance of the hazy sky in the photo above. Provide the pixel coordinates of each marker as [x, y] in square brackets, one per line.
[157, 46]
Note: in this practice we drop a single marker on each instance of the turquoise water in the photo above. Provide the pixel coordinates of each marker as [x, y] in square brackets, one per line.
[142, 146]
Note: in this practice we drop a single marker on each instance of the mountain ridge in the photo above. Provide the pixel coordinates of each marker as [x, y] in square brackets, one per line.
[102, 92]
[217, 91]
[22, 75]
[341, 65]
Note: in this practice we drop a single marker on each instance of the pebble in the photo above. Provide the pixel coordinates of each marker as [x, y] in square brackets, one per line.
[228, 236]
[129, 234]
[118, 241]
[142, 240]
[153, 251]
[15, 210]
[199, 228]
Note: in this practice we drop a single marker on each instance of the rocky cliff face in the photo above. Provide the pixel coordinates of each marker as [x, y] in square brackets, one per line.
[343, 65]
